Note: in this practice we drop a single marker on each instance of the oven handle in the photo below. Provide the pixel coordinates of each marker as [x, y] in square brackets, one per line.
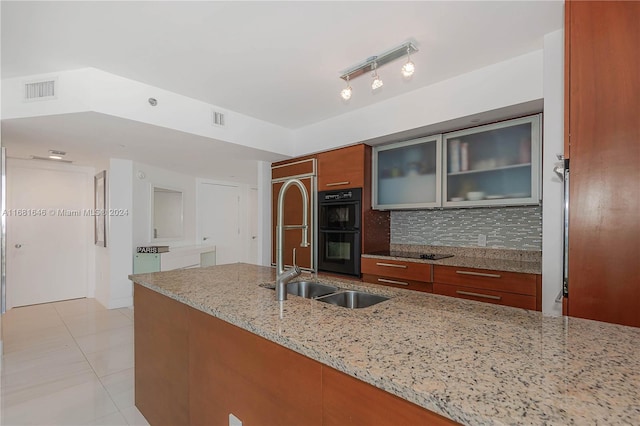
[340, 231]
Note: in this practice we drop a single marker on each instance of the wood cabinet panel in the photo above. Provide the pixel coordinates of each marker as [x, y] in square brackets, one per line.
[293, 216]
[296, 167]
[604, 138]
[485, 295]
[347, 401]
[258, 381]
[341, 168]
[423, 286]
[397, 269]
[161, 358]
[504, 288]
[511, 282]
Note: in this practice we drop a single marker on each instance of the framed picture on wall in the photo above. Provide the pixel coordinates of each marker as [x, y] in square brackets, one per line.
[100, 208]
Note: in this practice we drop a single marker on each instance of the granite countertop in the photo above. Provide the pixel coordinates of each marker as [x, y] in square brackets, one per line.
[523, 261]
[475, 363]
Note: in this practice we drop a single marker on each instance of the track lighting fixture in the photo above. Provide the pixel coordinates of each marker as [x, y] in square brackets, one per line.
[374, 62]
[346, 92]
[409, 67]
[377, 81]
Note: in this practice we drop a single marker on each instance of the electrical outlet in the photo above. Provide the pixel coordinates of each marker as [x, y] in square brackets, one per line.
[234, 421]
[482, 240]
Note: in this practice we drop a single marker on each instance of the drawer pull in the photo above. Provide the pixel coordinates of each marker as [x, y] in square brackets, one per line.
[384, 280]
[392, 265]
[478, 274]
[338, 183]
[485, 296]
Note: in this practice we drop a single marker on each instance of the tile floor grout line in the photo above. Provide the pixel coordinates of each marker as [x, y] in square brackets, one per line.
[92, 368]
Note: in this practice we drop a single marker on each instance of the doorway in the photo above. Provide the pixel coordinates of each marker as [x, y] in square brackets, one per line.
[219, 220]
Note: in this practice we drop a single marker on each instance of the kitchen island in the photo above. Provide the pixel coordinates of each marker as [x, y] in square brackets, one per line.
[473, 363]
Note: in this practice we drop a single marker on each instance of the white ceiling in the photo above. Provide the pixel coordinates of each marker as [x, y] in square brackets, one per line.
[275, 61]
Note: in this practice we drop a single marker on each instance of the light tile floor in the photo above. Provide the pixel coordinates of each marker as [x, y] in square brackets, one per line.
[68, 363]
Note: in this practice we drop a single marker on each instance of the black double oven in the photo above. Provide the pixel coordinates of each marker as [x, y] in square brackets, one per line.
[339, 214]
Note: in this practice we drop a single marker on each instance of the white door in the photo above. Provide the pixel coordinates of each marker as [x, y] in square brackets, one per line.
[253, 226]
[219, 220]
[48, 235]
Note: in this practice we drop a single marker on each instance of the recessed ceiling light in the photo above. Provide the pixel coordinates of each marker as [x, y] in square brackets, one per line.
[54, 154]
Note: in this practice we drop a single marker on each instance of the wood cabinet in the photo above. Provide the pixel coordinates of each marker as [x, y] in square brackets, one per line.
[503, 288]
[602, 133]
[397, 273]
[304, 169]
[193, 368]
[342, 168]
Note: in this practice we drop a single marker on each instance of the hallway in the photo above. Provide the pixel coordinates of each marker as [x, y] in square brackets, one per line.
[68, 363]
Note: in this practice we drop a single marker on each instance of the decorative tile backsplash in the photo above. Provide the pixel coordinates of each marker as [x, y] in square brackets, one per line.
[517, 228]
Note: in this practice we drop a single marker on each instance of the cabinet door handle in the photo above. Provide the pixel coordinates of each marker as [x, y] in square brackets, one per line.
[392, 265]
[485, 296]
[384, 280]
[338, 183]
[478, 274]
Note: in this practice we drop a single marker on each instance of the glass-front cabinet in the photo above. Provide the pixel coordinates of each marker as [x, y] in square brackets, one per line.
[408, 174]
[493, 164]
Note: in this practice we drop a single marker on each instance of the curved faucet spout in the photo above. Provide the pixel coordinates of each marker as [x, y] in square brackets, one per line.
[283, 278]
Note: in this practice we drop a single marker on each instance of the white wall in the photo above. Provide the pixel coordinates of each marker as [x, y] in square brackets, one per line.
[119, 292]
[512, 82]
[142, 213]
[552, 186]
[91, 89]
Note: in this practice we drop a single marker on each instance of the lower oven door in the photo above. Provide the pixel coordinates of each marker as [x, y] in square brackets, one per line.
[339, 252]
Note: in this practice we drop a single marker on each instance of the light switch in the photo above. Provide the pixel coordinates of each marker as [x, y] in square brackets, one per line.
[482, 240]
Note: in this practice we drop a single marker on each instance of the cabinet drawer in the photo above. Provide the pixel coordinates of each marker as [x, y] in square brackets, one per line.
[398, 282]
[511, 282]
[397, 269]
[341, 168]
[484, 295]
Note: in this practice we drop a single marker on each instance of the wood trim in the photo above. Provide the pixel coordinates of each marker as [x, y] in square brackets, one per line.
[604, 237]
[347, 401]
[161, 358]
[406, 270]
[567, 77]
[295, 167]
[485, 295]
[510, 282]
[422, 286]
[260, 382]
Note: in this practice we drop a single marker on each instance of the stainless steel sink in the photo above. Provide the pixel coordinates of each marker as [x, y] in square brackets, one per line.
[308, 289]
[352, 299]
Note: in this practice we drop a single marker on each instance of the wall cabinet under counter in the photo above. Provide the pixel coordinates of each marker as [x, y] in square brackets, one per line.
[515, 289]
[397, 273]
[491, 165]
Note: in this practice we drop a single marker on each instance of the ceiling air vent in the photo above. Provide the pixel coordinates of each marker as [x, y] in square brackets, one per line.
[41, 90]
[218, 119]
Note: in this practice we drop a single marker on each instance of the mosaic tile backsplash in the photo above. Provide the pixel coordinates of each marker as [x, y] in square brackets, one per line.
[517, 228]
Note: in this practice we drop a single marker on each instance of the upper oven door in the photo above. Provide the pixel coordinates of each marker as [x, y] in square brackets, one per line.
[340, 216]
[339, 210]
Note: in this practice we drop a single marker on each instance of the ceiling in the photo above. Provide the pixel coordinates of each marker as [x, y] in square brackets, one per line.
[276, 61]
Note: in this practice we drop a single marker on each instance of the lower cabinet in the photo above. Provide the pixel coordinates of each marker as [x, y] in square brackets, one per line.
[192, 368]
[515, 289]
[397, 273]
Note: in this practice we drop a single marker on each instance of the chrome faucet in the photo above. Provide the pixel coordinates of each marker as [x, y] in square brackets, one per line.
[282, 276]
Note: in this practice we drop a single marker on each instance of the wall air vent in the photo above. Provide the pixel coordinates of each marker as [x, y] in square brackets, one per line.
[41, 90]
[218, 119]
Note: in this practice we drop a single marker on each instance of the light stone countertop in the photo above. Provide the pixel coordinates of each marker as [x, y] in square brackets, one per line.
[476, 363]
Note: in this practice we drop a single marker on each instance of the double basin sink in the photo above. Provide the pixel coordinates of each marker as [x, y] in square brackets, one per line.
[333, 295]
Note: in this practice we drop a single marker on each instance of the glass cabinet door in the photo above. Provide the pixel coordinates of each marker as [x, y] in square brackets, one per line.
[496, 164]
[407, 174]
